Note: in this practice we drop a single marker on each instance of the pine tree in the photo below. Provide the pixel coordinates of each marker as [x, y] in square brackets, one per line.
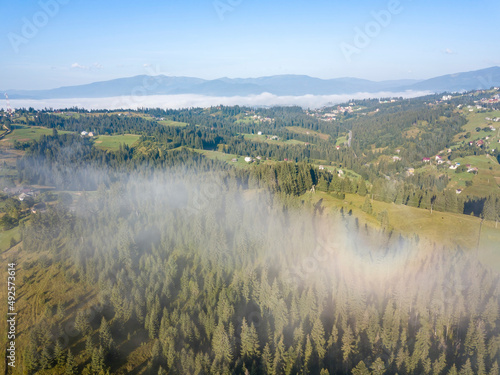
[318, 338]
[249, 340]
[97, 361]
[70, 364]
[347, 345]
[89, 345]
[45, 358]
[360, 369]
[105, 337]
[267, 360]
[494, 369]
[466, 368]
[367, 205]
[82, 322]
[362, 187]
[30, 359]
[378, 367]
[59, 356]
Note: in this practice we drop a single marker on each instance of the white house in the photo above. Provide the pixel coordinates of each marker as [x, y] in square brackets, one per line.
[259, 133]
[84, 133]
[248, 159]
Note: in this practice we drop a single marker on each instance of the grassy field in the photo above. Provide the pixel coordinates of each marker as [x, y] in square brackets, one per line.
[299, 130]
[444, 228]
[113, 142]
[341, 141]
[6, 236]
[240, 163]
[173, 123]
[263, 138]
[477, 119]
[487, 180]
[29, 133]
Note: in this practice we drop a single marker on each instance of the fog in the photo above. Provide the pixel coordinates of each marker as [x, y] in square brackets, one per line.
[191, 100]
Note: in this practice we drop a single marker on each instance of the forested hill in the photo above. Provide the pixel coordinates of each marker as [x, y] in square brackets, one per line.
[185, 242]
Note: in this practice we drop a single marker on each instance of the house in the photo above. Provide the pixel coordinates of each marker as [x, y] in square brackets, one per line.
[458, 191]
[39, 207]
[91, 134]
[259, 133]
[286, 159]
[234, 160]
[259, 158]
[454, 166]
[473, 170]
[410, 171]
[438, 158]
[248, 159]
[426, 160]
[440, 161]
[321, 168]
[83, 133]
[340, 172]
[479, 143]
[337, 147]
[396, 158]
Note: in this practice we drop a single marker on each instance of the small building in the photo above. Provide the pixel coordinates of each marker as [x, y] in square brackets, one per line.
[234, 160]
[91, 134]
[321, 168]
[84, 133]
[248, 159]
[426, 160]
[259, 133]
[458, 191]
[337, 147]
[396, 158]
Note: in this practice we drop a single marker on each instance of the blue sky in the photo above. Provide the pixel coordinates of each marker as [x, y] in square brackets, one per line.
[81, 41]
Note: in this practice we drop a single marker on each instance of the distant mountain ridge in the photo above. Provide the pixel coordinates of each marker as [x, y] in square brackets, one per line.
[281, 85]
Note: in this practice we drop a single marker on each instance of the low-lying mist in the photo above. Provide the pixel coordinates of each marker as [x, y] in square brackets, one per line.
[226, 276]
[192, 100]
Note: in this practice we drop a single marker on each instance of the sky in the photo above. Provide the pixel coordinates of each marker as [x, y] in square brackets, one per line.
[52, 43]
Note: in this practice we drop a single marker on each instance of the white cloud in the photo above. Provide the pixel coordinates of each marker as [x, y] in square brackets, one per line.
[191, 100]
[94, 66]
[449, 51]
[78, 66]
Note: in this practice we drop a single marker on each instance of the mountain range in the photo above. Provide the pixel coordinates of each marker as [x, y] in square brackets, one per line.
[281, 85]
